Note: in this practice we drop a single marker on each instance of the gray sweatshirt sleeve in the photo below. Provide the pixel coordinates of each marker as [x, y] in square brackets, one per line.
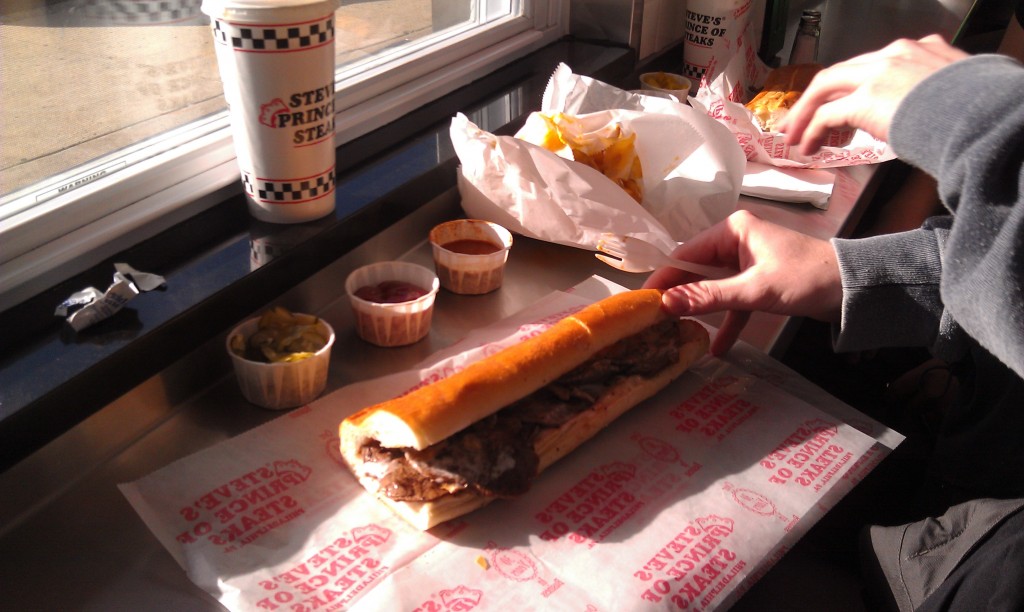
[965, 126]
[891, 292]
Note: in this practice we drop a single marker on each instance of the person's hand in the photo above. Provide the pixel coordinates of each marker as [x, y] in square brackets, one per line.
[864, 92]
[780, 271]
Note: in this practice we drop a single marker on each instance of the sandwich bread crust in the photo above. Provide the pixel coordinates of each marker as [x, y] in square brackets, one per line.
[431, 414]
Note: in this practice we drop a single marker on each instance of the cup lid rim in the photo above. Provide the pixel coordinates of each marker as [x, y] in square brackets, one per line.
[218, 7]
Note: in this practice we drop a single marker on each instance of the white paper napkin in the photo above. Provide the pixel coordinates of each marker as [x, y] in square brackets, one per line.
[804, 185]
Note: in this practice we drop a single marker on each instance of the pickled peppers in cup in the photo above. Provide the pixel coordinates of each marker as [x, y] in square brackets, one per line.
[281, 337]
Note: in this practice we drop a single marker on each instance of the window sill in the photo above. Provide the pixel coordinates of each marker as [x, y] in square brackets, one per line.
[52, 378]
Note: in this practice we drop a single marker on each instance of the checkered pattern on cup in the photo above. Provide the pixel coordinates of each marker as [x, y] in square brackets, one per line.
[274, 38]
[140, 12]
[288, 191]
[694, 72]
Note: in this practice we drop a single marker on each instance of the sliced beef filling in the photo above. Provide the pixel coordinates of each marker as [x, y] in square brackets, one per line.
[496, 456]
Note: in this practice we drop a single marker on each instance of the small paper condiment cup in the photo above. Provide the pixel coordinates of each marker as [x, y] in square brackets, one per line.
[281, 385]
[667, 82]
[470, 274]
[393, 324]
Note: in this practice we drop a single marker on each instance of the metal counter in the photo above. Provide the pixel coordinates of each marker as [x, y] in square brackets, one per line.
[71, 540]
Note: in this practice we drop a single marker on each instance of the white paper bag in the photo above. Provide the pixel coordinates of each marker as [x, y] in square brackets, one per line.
[692, 168]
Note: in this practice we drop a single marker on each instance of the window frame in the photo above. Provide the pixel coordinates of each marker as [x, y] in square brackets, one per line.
[75, 219]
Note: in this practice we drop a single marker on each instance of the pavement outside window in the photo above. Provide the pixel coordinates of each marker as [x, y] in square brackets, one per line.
[83, 78]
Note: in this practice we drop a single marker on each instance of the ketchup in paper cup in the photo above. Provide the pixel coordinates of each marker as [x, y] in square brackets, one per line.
[393, 302]
[470, 255]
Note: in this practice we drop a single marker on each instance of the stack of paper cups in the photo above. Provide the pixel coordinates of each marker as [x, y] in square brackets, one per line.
[276, 60]
[714, 33]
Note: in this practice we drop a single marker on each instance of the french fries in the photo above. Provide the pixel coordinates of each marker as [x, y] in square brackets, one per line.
[611, 151]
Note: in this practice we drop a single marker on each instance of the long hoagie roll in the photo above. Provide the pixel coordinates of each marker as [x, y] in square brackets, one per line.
[447, 448]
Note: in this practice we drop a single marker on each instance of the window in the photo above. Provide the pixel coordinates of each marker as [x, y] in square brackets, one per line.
[112, 118]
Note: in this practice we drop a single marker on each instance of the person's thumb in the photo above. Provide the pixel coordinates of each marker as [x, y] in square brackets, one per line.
[703, 297]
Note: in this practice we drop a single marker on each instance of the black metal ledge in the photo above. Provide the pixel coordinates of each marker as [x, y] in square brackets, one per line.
[51, 378]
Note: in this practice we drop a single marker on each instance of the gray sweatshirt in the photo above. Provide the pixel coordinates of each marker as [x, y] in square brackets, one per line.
[956, 285]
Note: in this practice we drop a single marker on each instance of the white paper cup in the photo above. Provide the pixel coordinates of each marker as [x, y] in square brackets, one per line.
[467, 273]
[281, 385]
[667, 82]
[713, 31]
[392, 324]
[276, 60]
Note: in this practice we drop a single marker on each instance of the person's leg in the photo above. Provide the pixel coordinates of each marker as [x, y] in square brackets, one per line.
[991, 577]
[970, 558]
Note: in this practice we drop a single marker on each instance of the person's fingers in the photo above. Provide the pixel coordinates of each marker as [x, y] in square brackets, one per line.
[715, 246]
[709, 246]
[688, 300]
[707, 296]
[666, 277]
[677, 303]
[826, 86]
[864, 92]
[940, 47]
[729, 332]
[843, 112]
[836, 95]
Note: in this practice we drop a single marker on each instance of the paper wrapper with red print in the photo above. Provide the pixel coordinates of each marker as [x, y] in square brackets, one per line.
[724, 97]
[692, 170]
[681, 503]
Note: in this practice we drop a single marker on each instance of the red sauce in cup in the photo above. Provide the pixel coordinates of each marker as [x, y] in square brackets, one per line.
[390, 292]
[472, 247]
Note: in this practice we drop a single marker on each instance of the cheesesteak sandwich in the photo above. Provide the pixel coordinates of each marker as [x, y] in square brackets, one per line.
[483, 433]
